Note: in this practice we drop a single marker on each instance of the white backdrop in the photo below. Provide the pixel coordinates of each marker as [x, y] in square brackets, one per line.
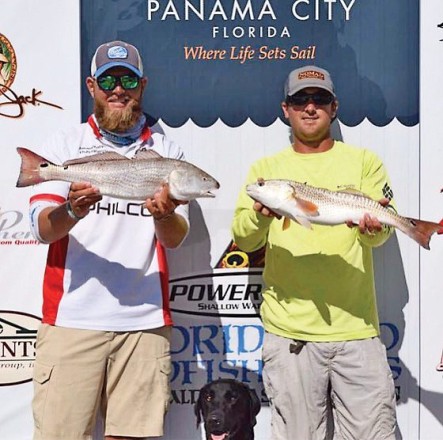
[430, 327]
[45, 36]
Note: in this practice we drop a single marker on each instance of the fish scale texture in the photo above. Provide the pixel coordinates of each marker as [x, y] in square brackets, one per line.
[348, 204]
[125, 179]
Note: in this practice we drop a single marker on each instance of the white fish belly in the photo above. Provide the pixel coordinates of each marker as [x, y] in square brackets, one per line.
[333, 215]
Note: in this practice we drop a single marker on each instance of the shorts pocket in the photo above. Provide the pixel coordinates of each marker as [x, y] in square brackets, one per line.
[42, 373]
[42, 379]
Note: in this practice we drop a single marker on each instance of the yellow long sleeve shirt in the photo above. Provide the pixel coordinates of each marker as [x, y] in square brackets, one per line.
[319, 283]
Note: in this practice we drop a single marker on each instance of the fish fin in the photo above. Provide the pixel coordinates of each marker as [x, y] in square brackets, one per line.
[110, 155]
[303, 221]
[307, 207]
[286, 223]
[174, 186]
[147, 154]
[421, 231]
[354, 192]
[30, 168]
[173, 175]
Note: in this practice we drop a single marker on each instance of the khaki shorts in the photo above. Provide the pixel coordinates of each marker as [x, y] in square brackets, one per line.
[324, 390]
[79, 372]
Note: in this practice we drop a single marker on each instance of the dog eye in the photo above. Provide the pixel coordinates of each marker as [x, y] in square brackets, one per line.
[232, 397]
[208, 398]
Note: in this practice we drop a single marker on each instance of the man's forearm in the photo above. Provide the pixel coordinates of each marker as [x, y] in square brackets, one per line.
[55, 223]
[171, 230]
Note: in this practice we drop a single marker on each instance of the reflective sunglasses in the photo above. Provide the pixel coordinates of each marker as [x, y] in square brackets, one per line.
[302, 98]
[109, 82]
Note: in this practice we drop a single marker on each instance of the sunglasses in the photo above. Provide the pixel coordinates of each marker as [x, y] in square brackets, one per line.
[303, 98]
[109, 82]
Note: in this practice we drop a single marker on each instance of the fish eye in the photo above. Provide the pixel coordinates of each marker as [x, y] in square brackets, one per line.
[261, 183]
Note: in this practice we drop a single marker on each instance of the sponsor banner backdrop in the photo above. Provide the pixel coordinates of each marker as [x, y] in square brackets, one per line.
[431, 182]
[396, 265]
[39, 92]
[197, 51]
[216, 71]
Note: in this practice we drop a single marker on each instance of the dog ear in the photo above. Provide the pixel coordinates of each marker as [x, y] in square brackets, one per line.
[198, 409]
[255, 405]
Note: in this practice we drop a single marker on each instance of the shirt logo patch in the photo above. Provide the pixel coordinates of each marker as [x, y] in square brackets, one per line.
[387, 192]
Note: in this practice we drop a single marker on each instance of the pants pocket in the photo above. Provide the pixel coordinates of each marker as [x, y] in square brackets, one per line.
[42, 380]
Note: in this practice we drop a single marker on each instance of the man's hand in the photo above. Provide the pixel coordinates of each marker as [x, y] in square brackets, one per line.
[56, 222]
[170, 228]
[161, 205]
[367, 224]
[81, 197]
[263, 210]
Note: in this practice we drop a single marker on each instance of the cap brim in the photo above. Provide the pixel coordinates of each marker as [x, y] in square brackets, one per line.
[307, 86]
[108, 66]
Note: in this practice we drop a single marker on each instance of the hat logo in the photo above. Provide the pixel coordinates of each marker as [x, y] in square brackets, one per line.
[311, 74]
[119, 52]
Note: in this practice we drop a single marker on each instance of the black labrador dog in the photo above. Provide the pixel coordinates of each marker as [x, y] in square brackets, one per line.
[228, 409]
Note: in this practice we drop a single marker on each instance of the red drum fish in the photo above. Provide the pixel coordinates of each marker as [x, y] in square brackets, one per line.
[306, 204]
[120, 177]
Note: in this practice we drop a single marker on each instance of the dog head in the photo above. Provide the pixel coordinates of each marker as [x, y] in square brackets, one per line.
[228, 409]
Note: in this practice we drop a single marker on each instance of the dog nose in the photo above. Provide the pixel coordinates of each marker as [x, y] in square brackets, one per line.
[215, 420]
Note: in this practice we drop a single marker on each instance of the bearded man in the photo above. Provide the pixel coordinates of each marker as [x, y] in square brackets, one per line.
[104, 341]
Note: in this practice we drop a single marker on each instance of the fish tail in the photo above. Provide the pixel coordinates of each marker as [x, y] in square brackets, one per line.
[421, 231]
[30, 168]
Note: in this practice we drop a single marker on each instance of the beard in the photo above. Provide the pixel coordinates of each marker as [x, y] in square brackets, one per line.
[118, 120]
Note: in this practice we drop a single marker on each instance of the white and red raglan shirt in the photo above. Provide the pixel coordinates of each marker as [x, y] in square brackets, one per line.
[109, 273]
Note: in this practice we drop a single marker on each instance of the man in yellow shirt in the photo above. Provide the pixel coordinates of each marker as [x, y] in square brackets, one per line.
[325, 369]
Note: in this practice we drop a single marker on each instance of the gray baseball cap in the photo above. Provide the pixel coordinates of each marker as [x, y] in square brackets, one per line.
[116, 53]
[308, 76]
